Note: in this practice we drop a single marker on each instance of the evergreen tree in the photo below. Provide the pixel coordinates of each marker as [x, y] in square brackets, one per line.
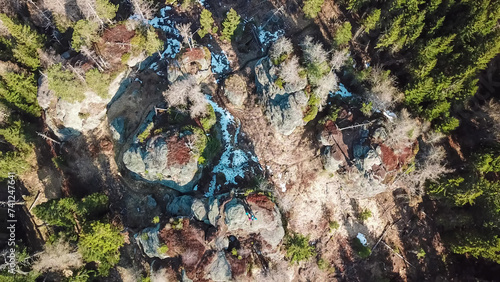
[98, 82]
[106, 10]
[371, 20]
[343, 34]
[146, 41]
[206, 23]
[20, 90]
[230, 24]
[101, 244]
[312, 8]
[65, 84]
[24, 43]
[84, 34]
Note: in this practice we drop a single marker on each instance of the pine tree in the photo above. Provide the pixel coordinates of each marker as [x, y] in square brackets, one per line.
[206, 23]
[20, 90]
[371, 20]
[343, 34]
[312, 8]
[25, 42]
[84, 34]
[230, 24]
[98, 82]
[65, 84]
[106, 10]
[101, 244]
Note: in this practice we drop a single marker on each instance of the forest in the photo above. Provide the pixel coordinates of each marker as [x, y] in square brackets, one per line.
[305, 140]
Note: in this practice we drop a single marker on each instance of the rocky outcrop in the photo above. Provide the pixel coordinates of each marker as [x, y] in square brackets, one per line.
[196, 61]
[235, 89]
[219, 270]
[149, 241]
[166, 158]
[268, 224]
[284, 106]
[69, 119]
[205, 210]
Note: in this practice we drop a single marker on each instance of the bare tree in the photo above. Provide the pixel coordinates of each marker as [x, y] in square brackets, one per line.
[143, 9]
[338, 59]
[185, 32]
[64, 8]
[383, 93]
[324, 85]
[98, 60]
[58, 256]
[429, 166]
[314, 53]
[282, 46]
[187, 92]
[289, 71]
[402, 131]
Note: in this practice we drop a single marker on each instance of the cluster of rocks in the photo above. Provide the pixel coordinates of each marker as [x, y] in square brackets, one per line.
[214, 237]
[361, 155]
[284, 106]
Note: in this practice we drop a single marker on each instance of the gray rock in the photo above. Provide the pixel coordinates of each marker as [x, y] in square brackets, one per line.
[371, 159]
[213, 211]
[150, 162]
[380, 133]
[117, 127]
[284, 109]
[220, 270]
[268, 224]
[150, 202]
[199, 210]
[236, 90]
[330, 163]
[148, 240]
[221, 243]
[181, 206]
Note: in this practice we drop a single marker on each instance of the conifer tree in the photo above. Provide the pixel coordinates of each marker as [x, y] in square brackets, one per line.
[206, 23]
[230, 24]
[343, 34]
[371, 20]
[106, 10]
[20, 90]
[25, 42]
[84, 34]
[65, 84]
[312, 8]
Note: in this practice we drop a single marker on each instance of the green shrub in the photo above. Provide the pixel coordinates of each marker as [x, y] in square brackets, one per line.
[360, 249]
[101, 245]
[421, 254]
[146, 133]
[298, 248]
[334, 225]
[156, 220]
[364, 215]
[279, 82]
[163, 249]
[209, 119]
[211, 149]
[58, 212]
[146, 41]
[312, 108]
[366, 109]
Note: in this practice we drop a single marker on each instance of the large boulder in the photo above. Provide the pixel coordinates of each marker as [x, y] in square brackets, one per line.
[332, 158]
[69, 119]
[166, 158]
[219, 270]
[196, 61]
[235, 89]
[268, 224]
[283, 108]
[149, 241]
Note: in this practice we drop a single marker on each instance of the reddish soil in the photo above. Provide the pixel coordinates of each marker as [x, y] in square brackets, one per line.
[114, 43]
[393, 161]
[261, 201]
[178, 151]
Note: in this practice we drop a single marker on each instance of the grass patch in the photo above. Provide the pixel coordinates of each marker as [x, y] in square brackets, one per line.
[146, 133]
[364, 215]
